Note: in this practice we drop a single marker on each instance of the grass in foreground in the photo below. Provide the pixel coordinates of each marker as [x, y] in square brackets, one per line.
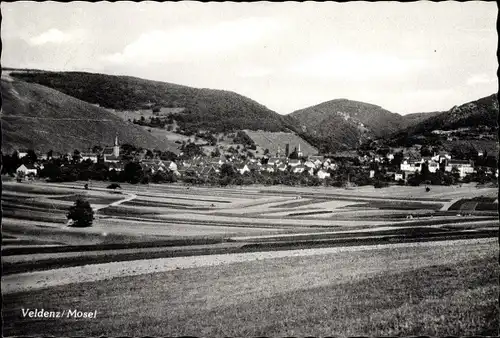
[317, 296]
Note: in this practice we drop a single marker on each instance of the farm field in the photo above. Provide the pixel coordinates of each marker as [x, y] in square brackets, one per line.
[432, 288]
[203, 254]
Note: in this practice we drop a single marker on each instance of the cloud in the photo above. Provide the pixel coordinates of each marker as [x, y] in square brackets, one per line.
[349, 65]
[480, 79]
[53, 35]
[193, 43]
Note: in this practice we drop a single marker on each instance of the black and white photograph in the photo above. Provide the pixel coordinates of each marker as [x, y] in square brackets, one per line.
[258, 169]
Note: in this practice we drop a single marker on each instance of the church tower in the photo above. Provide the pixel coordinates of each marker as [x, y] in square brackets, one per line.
[299, 152]
[116, 147]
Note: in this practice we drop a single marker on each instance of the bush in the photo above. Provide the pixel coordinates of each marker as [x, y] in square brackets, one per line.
[113, 186]
[81, 213]
[380, 184]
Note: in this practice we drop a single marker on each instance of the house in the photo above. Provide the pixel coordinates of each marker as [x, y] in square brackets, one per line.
[27, 169]
[42, 156]
[274, 161]
[116, 166]
[433, 166]
[222, 159]
[282, 167]
[372, 173]
[309, 164]
[441, 157]
[298, 169]
[464, 168]
[294, 163]
[243, 170]
[390, 156]
[322, 174]
[89, 156]
[254, 166]
[22, 152]
[170, 165]
[314, 158]
[269, 168]
[208, 171]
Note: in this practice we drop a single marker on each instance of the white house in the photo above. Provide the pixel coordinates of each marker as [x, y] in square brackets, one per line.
[244, 169]
[398, 176]
[372, 173]
[170, 165]
[294, 163]
[273, 161]
[299, 169]
[21, 153]
[27, 169]
[269, 168]
[282, 167]
[441, 156]
[412, 166]
[323, 174]
[309, 164]
[89, 156]
[464, 167]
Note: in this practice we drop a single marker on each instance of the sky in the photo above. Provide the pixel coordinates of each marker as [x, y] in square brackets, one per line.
[405, 57]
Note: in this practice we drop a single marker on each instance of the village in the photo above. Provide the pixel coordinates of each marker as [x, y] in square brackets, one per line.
[391, 166]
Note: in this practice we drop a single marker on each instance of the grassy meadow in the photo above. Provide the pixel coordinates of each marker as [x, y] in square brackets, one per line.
[436, 290]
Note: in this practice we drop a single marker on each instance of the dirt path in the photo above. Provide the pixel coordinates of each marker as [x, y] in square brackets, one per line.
[129, 197]
[90, 273]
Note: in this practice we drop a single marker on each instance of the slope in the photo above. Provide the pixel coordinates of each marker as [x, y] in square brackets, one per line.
[40, 118]
[473, 125]
[213, 110]
[341, 123]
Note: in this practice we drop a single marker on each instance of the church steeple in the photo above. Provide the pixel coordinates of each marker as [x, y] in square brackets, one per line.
[116, 148]
[299, 152]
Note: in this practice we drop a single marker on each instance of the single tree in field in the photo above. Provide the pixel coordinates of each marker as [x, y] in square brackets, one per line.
[81, 213]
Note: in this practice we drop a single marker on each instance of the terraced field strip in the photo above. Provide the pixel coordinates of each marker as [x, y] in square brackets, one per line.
[376, 232]
[354, 198]
[90, 273]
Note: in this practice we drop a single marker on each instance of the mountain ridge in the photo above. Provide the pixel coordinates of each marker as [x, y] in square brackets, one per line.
[210, 109]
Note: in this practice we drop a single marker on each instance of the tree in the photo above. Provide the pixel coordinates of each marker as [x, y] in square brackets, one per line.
[20, 176]
[227, 170]
[133, 173]
[30, 157]
[424, 174]
[81, 213]
[76, 156]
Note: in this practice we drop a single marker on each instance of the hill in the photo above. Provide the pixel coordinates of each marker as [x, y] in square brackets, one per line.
[343, 124]
[415, 118]
[41, 118]
[204, 109]
[274, 141]
[472, 126]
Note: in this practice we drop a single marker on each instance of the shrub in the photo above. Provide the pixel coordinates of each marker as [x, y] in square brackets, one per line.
[380, 184]
[114, 186]
[81, 213]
